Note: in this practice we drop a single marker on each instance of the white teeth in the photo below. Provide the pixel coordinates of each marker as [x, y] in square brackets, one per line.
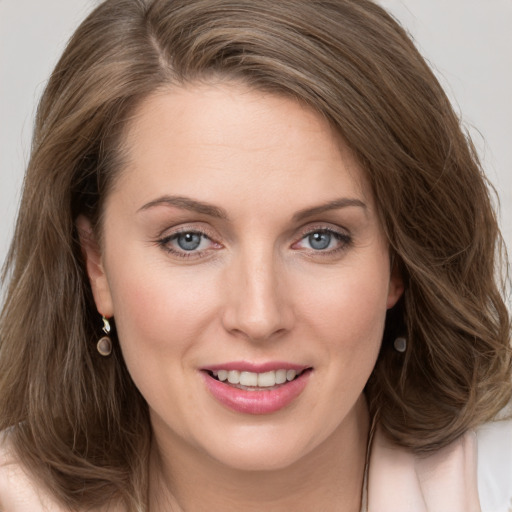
[248, 379]
[252, 379]
[291, 374]
[280, 376]
[234, 377]
[267, 379]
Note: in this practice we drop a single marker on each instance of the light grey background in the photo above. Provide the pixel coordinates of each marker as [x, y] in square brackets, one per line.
[469, 43]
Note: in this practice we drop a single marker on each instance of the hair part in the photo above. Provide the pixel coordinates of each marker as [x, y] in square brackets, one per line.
[80, 421]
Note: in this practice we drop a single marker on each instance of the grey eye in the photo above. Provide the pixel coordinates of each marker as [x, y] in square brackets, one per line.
[189, 241]
[320, 240]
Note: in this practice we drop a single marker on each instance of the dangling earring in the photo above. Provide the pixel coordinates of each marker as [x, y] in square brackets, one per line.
[400, 344]
[104, 345]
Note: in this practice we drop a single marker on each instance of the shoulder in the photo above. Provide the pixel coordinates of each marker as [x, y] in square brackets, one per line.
[18, 491]
[472, 474]
[444, 481]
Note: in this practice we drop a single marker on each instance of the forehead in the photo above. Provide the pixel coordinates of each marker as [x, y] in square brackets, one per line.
[206, 131]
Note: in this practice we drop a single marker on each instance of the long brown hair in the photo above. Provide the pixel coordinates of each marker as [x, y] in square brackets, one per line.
[77, 419]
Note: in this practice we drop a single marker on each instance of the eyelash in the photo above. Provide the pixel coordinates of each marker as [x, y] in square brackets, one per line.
[344, 239]
[165, 241]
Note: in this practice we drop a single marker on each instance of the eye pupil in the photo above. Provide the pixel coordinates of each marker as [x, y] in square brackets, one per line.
[189, 241]
[319, 240]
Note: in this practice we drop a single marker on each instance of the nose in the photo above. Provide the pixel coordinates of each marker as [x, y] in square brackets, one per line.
[258, 303]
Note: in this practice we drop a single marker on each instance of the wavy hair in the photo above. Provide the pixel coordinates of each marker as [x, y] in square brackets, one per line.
[78, 420]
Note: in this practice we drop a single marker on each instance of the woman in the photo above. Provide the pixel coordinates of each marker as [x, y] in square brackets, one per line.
[271, 211]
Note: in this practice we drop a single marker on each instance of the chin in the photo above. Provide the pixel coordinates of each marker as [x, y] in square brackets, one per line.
[263, 449]
[258, 460]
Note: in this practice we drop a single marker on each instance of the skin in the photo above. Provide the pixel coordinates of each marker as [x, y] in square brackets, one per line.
[256, 289]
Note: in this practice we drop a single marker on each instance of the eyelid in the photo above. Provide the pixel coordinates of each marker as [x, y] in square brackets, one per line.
[192, 227]
[312, 228]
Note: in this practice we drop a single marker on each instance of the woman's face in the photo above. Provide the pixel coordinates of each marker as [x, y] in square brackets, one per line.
[241, 242]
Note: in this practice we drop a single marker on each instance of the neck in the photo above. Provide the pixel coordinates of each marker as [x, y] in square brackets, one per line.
[329, 478]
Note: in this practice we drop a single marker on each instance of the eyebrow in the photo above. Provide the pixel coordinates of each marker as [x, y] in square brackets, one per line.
[336, 204]
[186, 203]
[193, 205]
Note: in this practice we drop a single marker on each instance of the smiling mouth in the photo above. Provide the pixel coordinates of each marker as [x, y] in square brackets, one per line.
[256, 392]
[252, 381]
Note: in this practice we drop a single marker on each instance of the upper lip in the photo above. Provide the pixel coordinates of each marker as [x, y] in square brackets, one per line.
[247, 366]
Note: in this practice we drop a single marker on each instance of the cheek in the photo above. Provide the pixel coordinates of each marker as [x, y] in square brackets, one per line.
[351, 299]
[157, 310]
[348, 312]
[159, 318]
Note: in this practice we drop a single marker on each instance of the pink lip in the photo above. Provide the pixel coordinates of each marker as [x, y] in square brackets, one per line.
[245, 366]
[256, 402]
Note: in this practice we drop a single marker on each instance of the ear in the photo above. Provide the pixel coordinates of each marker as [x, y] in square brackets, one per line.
[94, 265]
[396, 285]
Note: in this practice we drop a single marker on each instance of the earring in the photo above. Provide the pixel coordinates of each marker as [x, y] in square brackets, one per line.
[104, 345]
[400, 344]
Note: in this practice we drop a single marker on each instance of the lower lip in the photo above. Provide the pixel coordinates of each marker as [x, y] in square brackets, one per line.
[257, 402]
